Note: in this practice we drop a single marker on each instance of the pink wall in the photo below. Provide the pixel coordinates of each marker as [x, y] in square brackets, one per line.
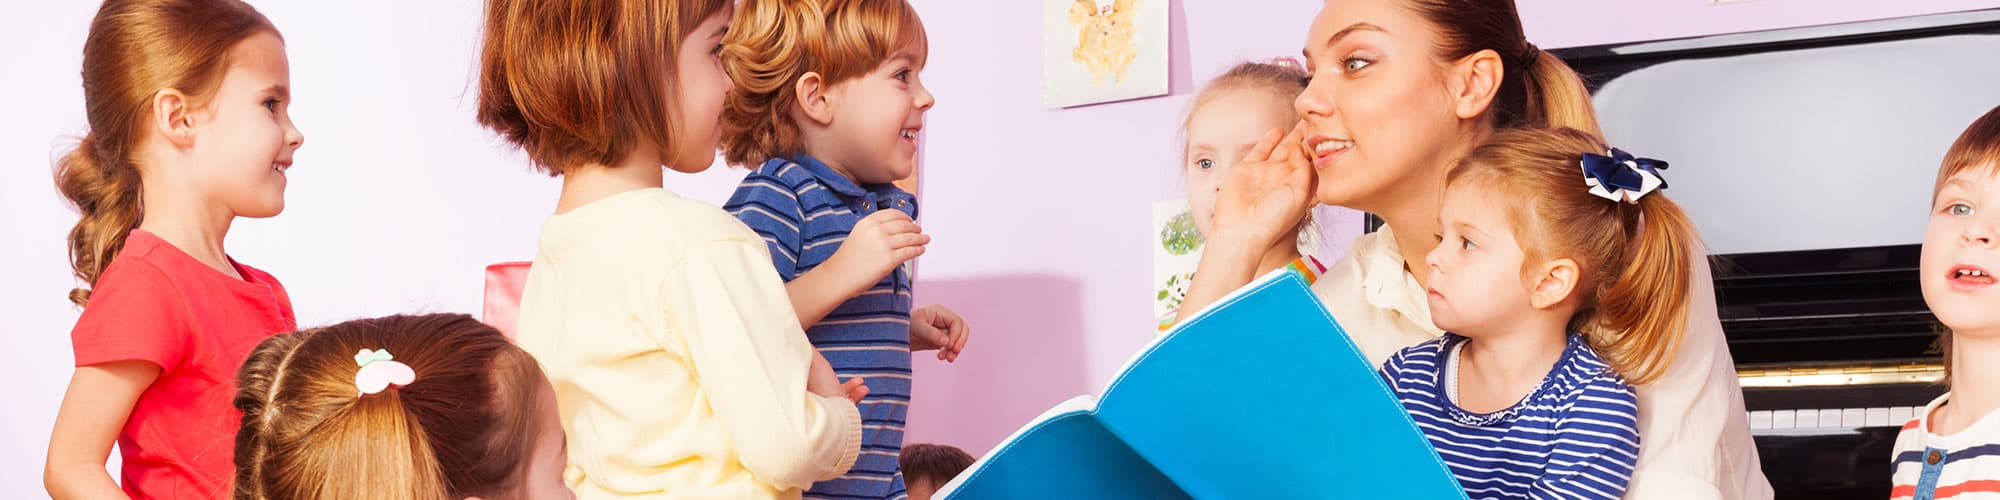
[1039, 216]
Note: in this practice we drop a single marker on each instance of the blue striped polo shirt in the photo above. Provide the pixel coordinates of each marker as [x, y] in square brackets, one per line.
[1575, 436]
[804, 210]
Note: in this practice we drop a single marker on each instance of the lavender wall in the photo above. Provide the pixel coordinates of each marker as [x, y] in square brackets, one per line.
[399, 199]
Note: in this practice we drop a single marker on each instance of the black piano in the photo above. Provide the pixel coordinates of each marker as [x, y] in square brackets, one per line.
[1835, 351]
[1805, 157]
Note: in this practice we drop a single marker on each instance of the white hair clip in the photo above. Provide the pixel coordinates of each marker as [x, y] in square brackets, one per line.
[379, 370]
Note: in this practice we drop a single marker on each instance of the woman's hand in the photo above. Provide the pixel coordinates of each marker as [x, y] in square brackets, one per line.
[1265, 195]
[1263, 199]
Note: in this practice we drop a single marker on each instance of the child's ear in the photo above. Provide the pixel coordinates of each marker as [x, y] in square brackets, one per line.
[1555, 282]
[173, 117]
[813, 99]
[1473, 81]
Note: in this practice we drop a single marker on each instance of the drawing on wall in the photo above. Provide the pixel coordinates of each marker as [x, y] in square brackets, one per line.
[1176, 253]
[1177, 245]
[1103, 50]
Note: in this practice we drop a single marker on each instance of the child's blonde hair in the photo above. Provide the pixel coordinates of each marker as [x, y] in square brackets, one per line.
[461, 428]
[1284, 79]
[135, 49]
[1976, 148]
[1633, 258]
[572, 82]
[772, 43]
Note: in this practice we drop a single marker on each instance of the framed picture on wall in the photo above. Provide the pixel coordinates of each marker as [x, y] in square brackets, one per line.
[1096, 51]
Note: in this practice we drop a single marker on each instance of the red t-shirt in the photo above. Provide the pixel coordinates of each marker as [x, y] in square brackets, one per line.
[157, 304]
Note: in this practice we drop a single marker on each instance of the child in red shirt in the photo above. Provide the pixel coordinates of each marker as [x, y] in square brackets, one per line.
[186, 101]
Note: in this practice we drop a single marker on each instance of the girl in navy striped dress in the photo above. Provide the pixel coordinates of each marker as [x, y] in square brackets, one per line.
[1562, 277]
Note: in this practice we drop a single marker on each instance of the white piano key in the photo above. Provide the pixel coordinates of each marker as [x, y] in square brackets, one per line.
[1853, 417]
[1808, 419]
[1901, 415]
[1878, 417]
[1760, 420]
[1783, 419]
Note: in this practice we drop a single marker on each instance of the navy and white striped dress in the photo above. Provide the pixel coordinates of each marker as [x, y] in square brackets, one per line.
[1575, 436]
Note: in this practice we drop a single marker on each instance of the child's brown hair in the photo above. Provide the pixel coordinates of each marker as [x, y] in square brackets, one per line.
[1976, 148]
[135, 49]
[461, 428]
[772, 43]
[933, 462]
[573, 82]
[1633, 258]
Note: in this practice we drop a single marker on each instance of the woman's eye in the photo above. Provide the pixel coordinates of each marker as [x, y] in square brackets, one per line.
[1353, 64]
[271, 104]
[1204, 163]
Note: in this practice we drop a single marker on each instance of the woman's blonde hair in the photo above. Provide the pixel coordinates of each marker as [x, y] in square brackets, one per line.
[135, 49]
[1536, 89]
[1633, 259]
[772, 43]
[463, 427]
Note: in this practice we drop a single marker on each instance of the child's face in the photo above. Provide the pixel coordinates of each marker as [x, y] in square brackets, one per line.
[698, 73]
[542, 475]
[243, 136]
[877, 118]
[1219, 133]
[1962, 251]
[1475, 272]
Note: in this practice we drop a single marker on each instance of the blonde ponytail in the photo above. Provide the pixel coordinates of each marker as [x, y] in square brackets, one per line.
[1635, 260]
[1646, 306]
[1555, 96]
[106, 196]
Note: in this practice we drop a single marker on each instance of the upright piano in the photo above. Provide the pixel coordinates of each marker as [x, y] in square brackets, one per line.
[1806, 158]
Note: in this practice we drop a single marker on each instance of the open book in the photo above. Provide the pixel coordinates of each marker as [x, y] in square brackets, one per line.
[1260, 396]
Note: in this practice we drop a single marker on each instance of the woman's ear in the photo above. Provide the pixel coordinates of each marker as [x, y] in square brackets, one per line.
[814, 101]
[1473, 81]
[1553, 284]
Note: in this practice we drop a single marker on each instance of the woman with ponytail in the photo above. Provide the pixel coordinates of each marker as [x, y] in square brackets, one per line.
[429, 407]
[1400, 91]
[187, 104]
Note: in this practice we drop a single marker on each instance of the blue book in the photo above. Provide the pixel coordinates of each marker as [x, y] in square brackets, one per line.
[1260, 396]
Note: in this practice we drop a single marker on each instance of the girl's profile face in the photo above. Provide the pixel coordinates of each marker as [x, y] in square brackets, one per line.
[698, 109]
[243, 137]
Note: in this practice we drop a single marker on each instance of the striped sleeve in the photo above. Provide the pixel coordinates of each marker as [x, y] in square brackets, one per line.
[770, 206]
[1596, 444]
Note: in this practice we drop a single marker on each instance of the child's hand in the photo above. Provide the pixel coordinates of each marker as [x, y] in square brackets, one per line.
[880, 242]
[821, 380]
[1265, 195]
[855, 389]
[937, 327]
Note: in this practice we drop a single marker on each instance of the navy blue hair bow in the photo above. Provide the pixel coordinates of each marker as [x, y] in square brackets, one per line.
[1621, 176]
